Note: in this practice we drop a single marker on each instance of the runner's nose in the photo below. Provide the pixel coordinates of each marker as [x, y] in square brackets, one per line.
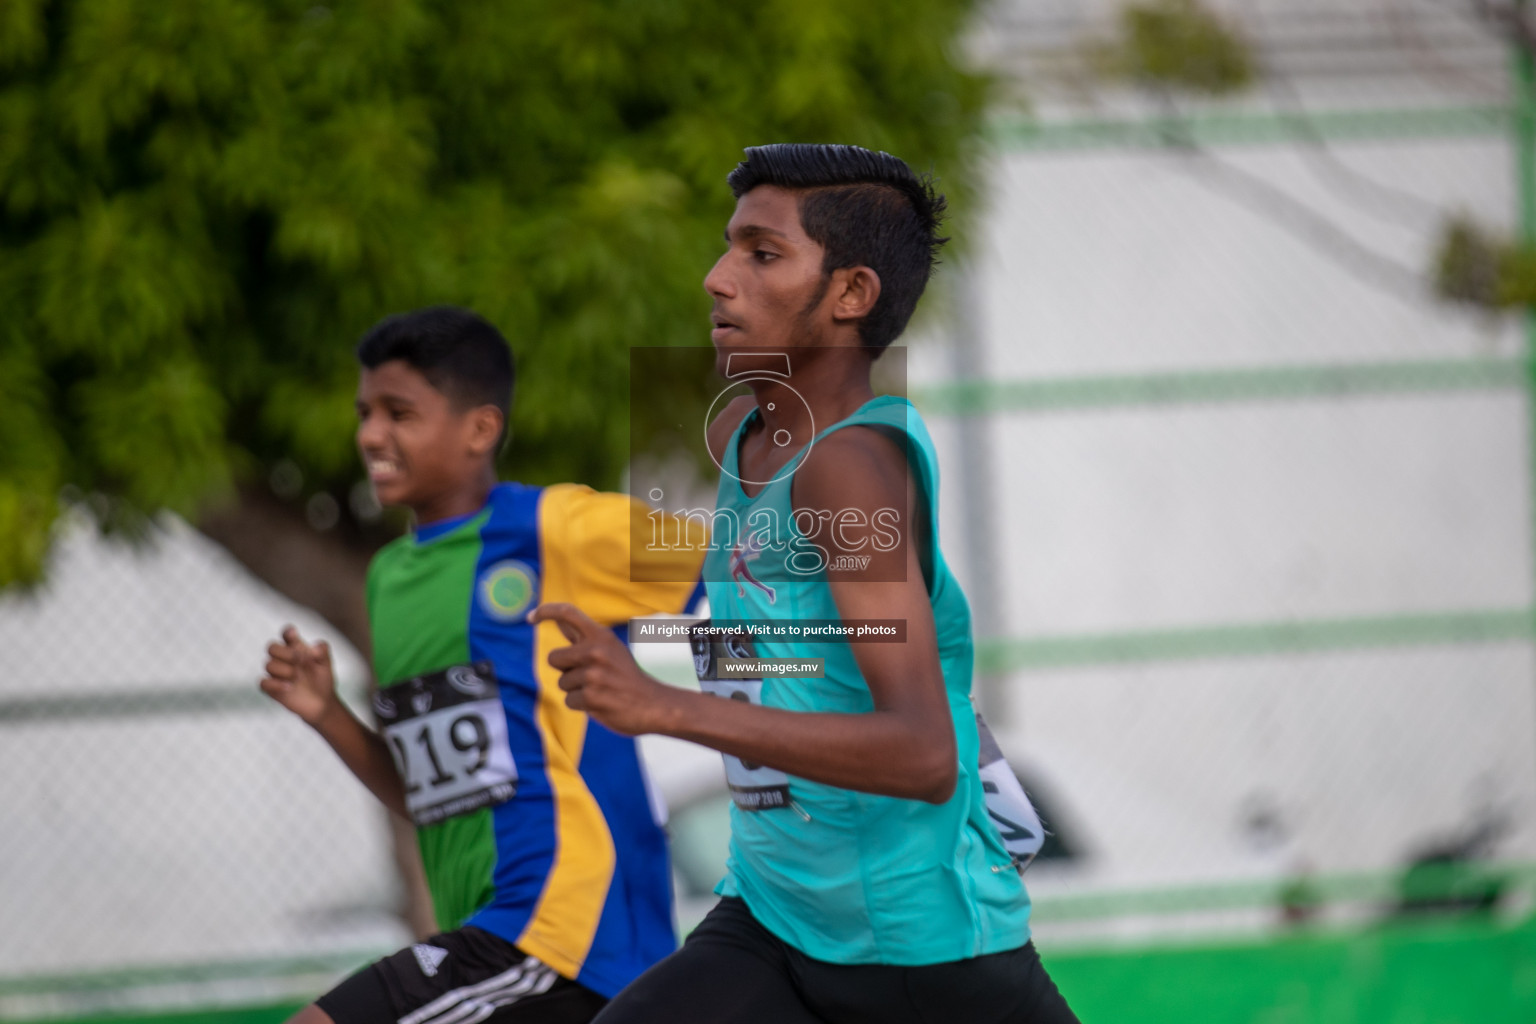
[717, 281]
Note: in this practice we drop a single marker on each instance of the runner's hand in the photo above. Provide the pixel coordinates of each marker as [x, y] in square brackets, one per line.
[299, 676]
[599, 675]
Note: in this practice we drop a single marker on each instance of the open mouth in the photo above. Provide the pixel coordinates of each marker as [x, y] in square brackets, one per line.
[380, 467]
[722, 327]
[720, 320]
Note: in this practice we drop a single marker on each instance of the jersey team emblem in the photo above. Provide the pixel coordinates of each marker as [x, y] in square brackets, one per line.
[507, 590]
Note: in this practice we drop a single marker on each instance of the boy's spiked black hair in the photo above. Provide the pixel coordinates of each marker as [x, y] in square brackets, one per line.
[459, 352]
[865, 209]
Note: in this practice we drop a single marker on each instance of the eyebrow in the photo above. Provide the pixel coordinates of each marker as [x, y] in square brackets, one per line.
[754, 230]
[387, 398]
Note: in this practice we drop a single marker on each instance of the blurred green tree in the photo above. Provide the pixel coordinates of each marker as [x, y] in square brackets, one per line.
[202, 206]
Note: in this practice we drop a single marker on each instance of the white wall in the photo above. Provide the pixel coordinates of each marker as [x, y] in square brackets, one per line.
[1114, 519]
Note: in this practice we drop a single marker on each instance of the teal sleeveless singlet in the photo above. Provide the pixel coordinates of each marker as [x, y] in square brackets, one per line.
[849, 877]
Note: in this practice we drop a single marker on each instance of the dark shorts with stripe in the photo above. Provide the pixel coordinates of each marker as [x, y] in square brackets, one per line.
[460, 977]
[732, 970]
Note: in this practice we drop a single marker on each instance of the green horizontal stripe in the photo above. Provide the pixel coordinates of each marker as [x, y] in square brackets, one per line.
[980, 398]
[278, 968]
[205, 700]
[1013, 133]
[1428, 882]
[992, 657]
[17, 710]
[268, 1013]
[995, 657]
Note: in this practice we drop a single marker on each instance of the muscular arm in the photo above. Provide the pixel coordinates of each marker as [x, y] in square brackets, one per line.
[904, 747]
[299, 677]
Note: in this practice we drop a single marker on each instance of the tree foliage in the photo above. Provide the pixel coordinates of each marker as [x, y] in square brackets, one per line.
[1176, 45]
[1475, 265]
[1479, 268]
[1476, 268]
[202, 206]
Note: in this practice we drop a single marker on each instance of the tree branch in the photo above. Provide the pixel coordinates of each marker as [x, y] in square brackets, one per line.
[317, 570]
[1510, 21]
[1286, 211]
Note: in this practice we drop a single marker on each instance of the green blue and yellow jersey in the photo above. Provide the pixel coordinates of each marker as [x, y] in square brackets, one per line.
[534, 822]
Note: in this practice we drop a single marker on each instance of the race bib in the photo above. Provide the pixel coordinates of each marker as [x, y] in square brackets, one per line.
[1007, 804]
[753, 786]
[447, 732]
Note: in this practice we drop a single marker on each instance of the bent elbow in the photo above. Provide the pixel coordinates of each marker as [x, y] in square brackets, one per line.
[940, 782]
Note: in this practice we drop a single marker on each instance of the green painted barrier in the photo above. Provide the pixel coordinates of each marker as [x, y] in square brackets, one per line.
[1467, 970]
[226, 1015]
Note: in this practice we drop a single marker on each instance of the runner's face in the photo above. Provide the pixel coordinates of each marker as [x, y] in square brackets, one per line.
[414, 443]
[769, 289]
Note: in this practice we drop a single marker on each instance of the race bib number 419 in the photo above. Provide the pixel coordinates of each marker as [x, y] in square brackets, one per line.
[447, 732]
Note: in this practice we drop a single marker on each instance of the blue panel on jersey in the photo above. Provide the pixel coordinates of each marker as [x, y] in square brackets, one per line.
[628, 935]
[506, 589]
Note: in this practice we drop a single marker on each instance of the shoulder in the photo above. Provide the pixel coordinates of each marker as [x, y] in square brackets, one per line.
[572, 513]
[853, 465]
[559, 493]
[560, 503]
[383, 563]
[726, 422]
[390, 553]
[508, 496]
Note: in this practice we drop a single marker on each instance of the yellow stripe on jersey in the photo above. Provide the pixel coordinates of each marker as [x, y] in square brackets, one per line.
[564, 922]
[623, 558]
[586, 544]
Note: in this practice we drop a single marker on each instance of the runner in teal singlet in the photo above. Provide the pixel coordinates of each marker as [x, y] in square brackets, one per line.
[865, 881]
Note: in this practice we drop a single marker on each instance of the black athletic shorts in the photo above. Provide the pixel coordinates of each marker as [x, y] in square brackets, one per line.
[458, 977]
[732, 970]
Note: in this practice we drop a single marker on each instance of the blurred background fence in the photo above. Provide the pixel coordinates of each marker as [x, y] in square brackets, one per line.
[1243, 506]
[172, 836]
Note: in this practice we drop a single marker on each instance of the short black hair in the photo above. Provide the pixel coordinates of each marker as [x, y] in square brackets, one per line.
[458, 351]
[865, 209]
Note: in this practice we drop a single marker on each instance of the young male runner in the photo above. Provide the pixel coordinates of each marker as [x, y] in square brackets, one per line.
[865, 882]
[549, 875]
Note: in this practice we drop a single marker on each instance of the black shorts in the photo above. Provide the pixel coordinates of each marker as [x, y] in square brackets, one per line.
[732, 970]
[459, 977]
